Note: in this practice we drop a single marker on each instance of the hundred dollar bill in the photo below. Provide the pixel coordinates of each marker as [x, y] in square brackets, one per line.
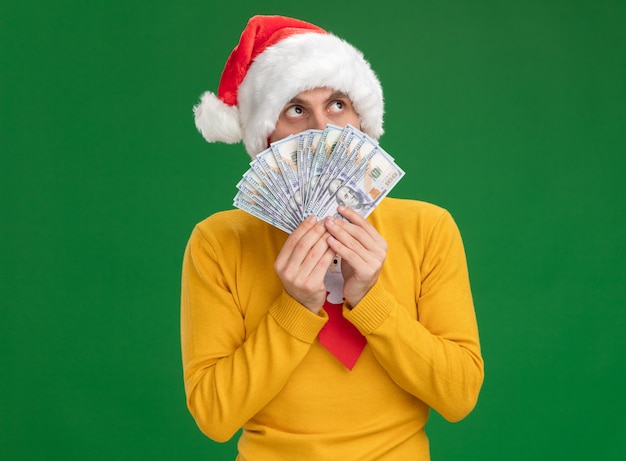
[268, 164]
[286, 154]
[254, 181]
[248, 205]
[269, 173]
[358, 146]
[304, 144]
[313, 172]
[344, 156]
[311, 142]
[301, 161]
[325, 146]
[370, 182]
[250, 188]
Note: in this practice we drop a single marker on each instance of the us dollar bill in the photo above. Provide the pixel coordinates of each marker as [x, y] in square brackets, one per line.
[350, 148]
[250, 189]
[362, 188]
[286, 154]
[311, 141]
[248, 205]
[323, 151]
[312, 173]
[268, 171]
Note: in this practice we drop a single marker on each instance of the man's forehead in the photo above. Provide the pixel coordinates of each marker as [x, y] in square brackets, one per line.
[307, 95]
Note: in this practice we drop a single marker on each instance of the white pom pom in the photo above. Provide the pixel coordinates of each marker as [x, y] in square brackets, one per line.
[216, 120]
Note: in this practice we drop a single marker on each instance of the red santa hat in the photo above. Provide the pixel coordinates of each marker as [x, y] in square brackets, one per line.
[277, 58]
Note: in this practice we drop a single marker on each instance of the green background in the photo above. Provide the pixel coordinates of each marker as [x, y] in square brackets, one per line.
[511, 114]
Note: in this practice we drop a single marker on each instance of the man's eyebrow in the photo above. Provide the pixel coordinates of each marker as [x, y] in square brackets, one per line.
[338, 95]
[334, 95]
[295, 100]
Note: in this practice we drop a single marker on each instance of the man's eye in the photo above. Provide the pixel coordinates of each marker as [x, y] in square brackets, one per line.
[294, 111]
[336, 106]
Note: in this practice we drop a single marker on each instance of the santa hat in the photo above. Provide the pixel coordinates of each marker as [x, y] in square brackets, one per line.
[277, 58]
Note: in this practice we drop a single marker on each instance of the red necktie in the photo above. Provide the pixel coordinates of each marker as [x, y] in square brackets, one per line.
[340, 337]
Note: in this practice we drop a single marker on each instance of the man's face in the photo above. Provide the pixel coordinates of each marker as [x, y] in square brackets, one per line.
[348, 197]
[313, 109]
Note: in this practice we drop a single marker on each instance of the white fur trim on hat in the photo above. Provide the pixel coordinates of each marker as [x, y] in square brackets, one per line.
[216, 120]
[299, 63]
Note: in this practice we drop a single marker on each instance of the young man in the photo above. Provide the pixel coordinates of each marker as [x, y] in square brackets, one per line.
[261, 309]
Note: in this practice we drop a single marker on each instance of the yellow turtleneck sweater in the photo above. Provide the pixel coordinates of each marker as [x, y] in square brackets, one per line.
[251, 358]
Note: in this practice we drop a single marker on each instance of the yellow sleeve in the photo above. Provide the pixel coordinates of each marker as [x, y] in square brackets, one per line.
[437, 357]
[229, 373]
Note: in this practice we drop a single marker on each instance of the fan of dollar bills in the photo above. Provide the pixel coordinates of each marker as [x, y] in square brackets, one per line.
[312, 173]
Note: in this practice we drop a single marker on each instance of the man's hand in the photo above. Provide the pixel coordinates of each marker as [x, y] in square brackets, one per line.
[302, 263]
[362, 250]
